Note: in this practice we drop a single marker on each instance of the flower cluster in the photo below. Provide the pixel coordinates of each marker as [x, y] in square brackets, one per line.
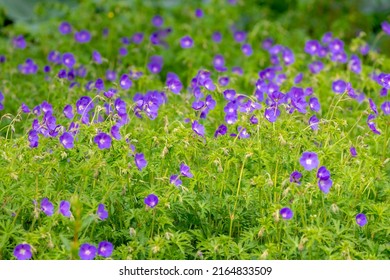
[88, 251]
[184, 171]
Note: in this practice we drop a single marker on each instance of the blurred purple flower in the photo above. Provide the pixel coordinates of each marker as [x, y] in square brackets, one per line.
[64, 208]
[23, 252]
[87, 251]
[353, 152]
[83, 36]
[47, 207]
[151, 200]
[361, 219]
[101, 212]
[309, 160]
[103, 140]
[186, 42]
[198, 128]
[185, 171]
[140, 161]
[67, 140]
[65, 28]
[105, 249]
[295, 177]
[175, 180]
[286, 213]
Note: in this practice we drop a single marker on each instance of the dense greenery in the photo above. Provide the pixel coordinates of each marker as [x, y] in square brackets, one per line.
[230, 208]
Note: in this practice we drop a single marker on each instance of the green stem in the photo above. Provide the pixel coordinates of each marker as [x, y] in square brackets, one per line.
[237, 193]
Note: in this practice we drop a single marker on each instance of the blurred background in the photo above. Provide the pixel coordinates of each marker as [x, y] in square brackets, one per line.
[347, 18]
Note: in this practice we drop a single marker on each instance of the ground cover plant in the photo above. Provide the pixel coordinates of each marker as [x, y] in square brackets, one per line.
[131, 130]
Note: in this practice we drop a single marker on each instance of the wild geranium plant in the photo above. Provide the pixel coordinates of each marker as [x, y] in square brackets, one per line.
[188, 132]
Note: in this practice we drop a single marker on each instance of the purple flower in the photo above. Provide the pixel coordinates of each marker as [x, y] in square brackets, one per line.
[239, 36]
[313, 122]
[353, 152]
[361, 219]
[314, 104]
[101, 212]
[323, 173]
[295, 177]
[97, 57]
[64, 208]
[87, 251]
[199, 13]
[373, 106]
[217, 37]
[355, 65]
[67, 140]
[386, 27]
[271, 114]
[68, 59]
[316, 66]
[288, 56]
[110, 93]
[340, 57]
[339, 86]
[83, 36]
[47, 69]
[175, 180]
[157, 21]
[24, 107]
[103, 140]
[55, 57]
[312, 47]
[23, 252]
[309, 160]
[155, 64]
[198, 128]
[267, 43]
[286, 213]
[137, 38]
[125, 82]
[120, 106]
[105, 249]
[372, 125]
[254, 120]
[185, 171]
[364, 49]
[327, 38]
[221, 130]
[33, 138]
[242, 133]
[237, 70]
[84, 105]
[140, 161]
[186, 42]
[19, 42]
[174, 85]
[151, 200]
[247, 49]
[386, 107]
[298, 78]
[47, 207]
[65, 28]
[115, 132]
[336, 46]
[99, 84]
[325, 185]
[223, 81]
[2, 58]
[110, 75]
